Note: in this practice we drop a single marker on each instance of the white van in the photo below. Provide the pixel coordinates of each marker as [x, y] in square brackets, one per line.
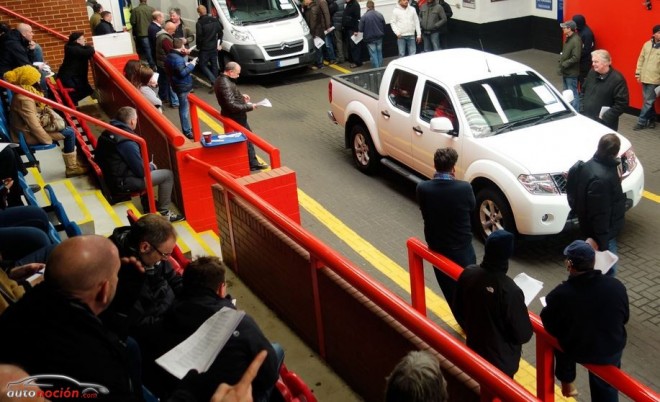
[263, 36]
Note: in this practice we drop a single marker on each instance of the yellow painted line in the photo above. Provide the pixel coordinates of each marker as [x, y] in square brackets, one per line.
[338, 68]
[87, 217]
[195, 236]
[38, 179]
[116, 220]
[526, 376]
[653, 197]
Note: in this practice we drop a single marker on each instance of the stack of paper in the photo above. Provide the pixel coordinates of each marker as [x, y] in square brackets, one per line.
[530, 286]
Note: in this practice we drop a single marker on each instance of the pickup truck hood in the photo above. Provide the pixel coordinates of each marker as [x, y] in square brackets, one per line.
[528, 149]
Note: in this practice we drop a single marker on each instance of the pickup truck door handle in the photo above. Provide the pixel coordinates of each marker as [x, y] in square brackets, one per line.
[418, 130]
[385, 114]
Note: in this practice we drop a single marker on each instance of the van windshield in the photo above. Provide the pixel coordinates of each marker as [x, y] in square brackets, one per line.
[499, 104]
[245, 12]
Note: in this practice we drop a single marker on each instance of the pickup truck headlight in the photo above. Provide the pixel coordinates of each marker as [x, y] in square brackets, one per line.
[538, 184]
[628, 162]
[241, 35]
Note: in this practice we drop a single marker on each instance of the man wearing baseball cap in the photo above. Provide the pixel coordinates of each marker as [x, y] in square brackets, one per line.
[587, 314]
[569, 60]
[648, 74]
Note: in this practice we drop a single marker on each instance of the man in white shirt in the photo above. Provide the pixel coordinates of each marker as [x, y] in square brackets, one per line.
[405, 25]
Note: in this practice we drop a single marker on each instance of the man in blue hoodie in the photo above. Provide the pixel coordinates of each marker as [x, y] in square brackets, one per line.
[122, 164]
[179, 70]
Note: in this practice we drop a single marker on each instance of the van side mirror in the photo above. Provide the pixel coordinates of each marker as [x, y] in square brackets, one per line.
[441, 125]
[567, 94]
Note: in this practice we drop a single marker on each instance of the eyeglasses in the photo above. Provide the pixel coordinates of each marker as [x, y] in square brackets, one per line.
[163, 255]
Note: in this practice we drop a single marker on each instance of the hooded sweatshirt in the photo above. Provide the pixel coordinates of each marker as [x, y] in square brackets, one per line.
[491, 307]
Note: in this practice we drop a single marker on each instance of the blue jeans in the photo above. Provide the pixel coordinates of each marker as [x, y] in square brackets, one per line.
[165, 92]
[612, 247]
[431, 41]
[144, 49]
[23, 230]
[601, 391]
[69, 140]
[330, 46]
[647, 113]
[206, 56]
[406, 43]
[184, 112]
[571, 83]
[376, 53]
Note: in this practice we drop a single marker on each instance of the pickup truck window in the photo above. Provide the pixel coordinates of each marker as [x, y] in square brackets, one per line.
[402, 90]
[499, 104]
[436, 103]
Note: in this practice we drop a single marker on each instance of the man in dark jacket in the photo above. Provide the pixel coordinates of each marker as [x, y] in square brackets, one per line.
[350, 24]
[157, 20]
[431, 19]
[605, 91]
[337, 18]
[372, 26]
[600, 203]
[123, 168]
[204, 294]
[588, 46]
[447, 205]
[317, 17]
[55, 327]
[105, 26]
[17, 49]
[75, 67]
[165, 43]
[587, 314]
[179, 72]
[209, 37]
[141, 17]
[491, 307]
[235, 105]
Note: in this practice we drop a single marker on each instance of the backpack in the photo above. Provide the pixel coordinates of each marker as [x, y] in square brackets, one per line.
[572, 182]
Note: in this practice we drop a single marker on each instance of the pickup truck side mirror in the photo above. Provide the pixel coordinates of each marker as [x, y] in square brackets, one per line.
[567, 94]
[441, 125]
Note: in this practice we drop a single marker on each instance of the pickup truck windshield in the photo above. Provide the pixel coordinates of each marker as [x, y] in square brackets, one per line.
[246, 12]
[499, 104]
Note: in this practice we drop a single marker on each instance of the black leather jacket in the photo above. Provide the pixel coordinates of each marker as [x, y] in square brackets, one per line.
[231, 101]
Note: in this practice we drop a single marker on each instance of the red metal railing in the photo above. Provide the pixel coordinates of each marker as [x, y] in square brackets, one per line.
[230, 125]
[82, 116]
[418, 252]
[492, 381]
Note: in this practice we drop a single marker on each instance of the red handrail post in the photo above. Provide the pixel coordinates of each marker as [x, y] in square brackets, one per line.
[545, 376]
[194, 120]
[417, 287]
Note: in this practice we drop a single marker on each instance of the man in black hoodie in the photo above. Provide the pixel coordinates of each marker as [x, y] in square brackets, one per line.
[588, 46]
[491, 307]
[209, 37]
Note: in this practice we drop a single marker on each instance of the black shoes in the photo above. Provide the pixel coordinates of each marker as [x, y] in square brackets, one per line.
[261, 166]
[650, 124]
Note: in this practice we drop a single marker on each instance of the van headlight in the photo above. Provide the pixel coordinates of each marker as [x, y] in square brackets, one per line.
[241, 35]
[539, 184]
[304, 26]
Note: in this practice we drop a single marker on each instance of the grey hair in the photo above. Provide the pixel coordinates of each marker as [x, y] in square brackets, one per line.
[125, 114]
[603, 55]
[416, 378]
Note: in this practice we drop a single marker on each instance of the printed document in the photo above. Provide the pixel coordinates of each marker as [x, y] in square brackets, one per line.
[318, 42]
[357, 38]
[201, 348]
[265, 103]
[530, 286]
[605, 260]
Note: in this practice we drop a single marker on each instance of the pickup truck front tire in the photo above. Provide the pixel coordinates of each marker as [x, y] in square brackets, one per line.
[492, 213]
[362, 147]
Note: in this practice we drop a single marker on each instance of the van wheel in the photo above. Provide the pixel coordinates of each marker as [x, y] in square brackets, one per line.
[362, 147]
[492, 213]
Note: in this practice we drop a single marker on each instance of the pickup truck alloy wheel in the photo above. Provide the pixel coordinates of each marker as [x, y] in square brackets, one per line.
[493, 213]
[364, 153]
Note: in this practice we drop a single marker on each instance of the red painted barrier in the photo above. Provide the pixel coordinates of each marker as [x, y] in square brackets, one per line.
[418, 252]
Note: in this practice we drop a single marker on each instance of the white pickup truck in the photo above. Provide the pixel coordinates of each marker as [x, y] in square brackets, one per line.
[515, 134]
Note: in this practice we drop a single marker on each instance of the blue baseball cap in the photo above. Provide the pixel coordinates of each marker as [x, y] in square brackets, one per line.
[580, 251]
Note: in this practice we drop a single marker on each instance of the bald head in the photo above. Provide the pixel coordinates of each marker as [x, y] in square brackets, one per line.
[25, 30]
[83, 266]
[169, 27]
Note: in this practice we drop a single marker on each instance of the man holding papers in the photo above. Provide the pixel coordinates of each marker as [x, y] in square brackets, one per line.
[587, 314]
[491, 307]
[605, 91]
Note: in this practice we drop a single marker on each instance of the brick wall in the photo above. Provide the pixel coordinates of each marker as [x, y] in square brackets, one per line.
[63, 16]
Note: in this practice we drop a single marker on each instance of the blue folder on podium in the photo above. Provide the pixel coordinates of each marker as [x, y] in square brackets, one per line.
[224, 139]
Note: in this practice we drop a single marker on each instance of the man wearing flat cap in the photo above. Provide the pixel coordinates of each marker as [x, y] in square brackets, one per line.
[648, 74]
[569, 60]
[587, 314]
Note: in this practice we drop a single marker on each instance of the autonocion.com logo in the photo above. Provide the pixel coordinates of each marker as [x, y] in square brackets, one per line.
[54, 386]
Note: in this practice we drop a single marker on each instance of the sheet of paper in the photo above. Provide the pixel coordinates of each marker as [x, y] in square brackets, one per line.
[357, 38]
[265, 103]
[318, 42]
[200, 349]
[605, 260]
[327, 31]
[603, 110]
[530, 286]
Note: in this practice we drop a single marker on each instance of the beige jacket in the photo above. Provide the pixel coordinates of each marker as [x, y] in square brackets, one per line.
[24, 118]
[648, 64]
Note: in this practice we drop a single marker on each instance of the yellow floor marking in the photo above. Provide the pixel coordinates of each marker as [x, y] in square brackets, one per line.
[339, 68]
[87, 217]
[653, 197]
[184, 225]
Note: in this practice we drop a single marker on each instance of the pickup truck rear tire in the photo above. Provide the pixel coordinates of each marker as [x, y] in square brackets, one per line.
[492, 213]
[362, 147]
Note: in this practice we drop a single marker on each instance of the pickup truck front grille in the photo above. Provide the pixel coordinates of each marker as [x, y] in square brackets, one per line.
[285, 48]
[560, 181]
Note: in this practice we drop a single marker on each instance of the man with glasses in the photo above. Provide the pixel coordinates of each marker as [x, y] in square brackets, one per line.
[143, 298]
